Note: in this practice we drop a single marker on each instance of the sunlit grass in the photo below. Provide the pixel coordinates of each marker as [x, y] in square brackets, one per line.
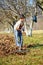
[36, 38]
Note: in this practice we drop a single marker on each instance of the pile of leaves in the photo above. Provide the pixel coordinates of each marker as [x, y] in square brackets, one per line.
[7, 45]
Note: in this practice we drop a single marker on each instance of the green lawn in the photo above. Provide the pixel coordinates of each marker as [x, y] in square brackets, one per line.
[33, 57]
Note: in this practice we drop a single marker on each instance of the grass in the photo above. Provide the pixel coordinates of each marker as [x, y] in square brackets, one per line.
[36, 38]
[33, 57]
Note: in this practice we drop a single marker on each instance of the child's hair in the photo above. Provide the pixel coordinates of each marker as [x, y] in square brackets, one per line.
[22, 16]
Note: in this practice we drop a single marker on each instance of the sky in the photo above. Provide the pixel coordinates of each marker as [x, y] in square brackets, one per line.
[31, 2]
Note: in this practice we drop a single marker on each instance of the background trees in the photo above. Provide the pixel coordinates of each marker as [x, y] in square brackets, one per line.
[10, 9]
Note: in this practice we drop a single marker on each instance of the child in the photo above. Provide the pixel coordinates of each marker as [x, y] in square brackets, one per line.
[18, 31]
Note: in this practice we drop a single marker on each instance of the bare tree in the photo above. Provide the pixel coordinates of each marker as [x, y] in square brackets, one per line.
[12, 8]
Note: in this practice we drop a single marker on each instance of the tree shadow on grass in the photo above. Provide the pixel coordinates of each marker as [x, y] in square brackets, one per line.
[35, 45]
[30, 46]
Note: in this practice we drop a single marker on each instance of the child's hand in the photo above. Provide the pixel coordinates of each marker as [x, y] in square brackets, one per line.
[18, 29]
[24, 33]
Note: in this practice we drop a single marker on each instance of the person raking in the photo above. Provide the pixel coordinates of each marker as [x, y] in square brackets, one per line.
[18, 28]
